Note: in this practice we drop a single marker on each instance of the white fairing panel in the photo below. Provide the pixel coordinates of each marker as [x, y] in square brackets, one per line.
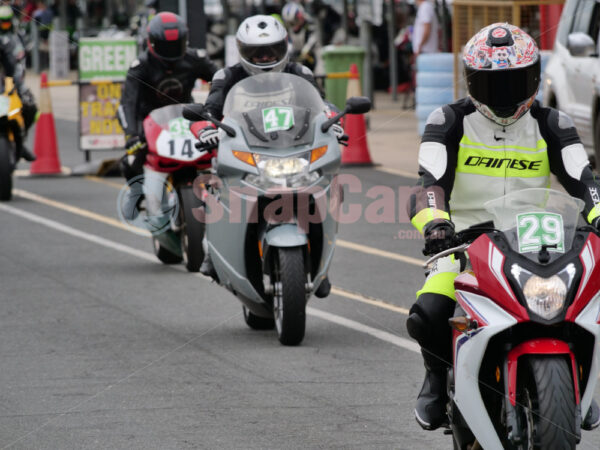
[588, 319]
[469, 350]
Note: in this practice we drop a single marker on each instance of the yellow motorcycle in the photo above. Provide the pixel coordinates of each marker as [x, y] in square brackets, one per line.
[11, 135]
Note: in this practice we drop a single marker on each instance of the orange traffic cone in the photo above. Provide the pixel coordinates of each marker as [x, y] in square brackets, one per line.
[357, 152]
[45, 145]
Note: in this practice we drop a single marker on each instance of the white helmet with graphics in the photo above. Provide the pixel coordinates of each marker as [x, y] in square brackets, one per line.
[502, 70]
[262, 43]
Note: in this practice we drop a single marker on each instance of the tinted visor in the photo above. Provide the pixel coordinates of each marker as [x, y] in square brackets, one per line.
[169, 50]
[263, 54]
[505, 88]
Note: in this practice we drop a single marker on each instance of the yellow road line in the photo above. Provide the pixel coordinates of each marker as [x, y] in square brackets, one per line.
[100, 180]
[78, 211]
[402, 173]
[382, 253]
[336, 290]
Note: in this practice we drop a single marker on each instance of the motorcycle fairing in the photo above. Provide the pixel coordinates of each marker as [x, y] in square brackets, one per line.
[155, 125]
[487, 260]
[589, 320]
[590, 279]
[469, 351]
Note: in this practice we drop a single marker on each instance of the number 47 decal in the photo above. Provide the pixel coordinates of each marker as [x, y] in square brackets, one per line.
[537, 229]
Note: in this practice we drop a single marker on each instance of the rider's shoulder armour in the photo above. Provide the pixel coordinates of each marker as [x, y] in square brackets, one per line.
[445, 124]
[556, 127]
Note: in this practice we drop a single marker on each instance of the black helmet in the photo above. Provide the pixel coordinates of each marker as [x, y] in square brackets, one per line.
[167, 37]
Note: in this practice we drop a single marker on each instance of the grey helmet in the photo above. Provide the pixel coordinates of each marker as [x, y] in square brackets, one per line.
[262, 43]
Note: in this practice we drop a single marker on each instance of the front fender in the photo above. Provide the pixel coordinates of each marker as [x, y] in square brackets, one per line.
[284, 235]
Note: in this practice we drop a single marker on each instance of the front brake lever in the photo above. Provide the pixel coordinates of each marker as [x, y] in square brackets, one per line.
[449, 251]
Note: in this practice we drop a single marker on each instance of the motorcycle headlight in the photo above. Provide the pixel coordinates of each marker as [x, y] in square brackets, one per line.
[290, 172]
[545, 296]
[281, 167]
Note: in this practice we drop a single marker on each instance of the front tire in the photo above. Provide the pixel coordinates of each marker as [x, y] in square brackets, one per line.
[547, 403]
[6, 169]
[289, 299]
[192, 230]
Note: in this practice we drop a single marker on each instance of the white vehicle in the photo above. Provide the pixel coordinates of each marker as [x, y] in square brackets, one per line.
[573, 72]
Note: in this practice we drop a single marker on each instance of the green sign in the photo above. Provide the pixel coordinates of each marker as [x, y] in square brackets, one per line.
[537, 229]
[105, 58]
[279, 118]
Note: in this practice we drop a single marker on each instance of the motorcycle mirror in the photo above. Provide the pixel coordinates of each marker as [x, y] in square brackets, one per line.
[358, 105]
[194, 112]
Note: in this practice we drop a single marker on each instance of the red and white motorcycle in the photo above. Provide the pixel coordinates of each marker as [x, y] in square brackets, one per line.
[526, 332]
[175, 162]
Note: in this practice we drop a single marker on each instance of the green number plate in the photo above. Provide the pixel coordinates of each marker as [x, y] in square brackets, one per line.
[537, 229]
[278, 119]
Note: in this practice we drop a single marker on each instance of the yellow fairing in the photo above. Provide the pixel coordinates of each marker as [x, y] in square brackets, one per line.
[15, 105]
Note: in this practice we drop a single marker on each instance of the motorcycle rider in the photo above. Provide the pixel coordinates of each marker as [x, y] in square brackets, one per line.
[496, 140]
[12, 54]
[303, 34]
[263, 47]
[163, 74]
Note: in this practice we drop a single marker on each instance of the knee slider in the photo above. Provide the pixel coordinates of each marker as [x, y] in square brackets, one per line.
[416, 324]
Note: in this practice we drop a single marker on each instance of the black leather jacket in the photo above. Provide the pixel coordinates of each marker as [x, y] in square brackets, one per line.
[224, 80]
[150, 84]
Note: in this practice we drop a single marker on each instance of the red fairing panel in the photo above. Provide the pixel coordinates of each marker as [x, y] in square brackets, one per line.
[590, 279]
[544, 346]
[162, 164]
[488, 264]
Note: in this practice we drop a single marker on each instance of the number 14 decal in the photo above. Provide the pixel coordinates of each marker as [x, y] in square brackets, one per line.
[181, 147]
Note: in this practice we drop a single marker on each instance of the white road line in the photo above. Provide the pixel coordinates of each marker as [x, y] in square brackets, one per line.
[342, 321]
[79, 211]
[376, 333]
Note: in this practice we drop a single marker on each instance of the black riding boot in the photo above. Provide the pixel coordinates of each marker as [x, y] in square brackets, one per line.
[430, 410]
[428, 325]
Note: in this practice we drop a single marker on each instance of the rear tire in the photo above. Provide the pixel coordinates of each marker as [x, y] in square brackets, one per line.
[6, 169]
[547, 401]
[192, 230]
[165, 256]
[256, 322]
[289, 300]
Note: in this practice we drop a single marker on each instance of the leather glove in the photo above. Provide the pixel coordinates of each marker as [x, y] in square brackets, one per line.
[133, 144]
[338, 131]
[209, 136]
[439, 234]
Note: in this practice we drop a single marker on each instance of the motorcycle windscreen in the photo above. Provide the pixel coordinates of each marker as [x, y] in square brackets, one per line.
[275, 110]
[537, 218]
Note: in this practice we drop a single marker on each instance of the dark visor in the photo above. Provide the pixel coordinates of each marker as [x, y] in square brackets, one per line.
[263, 54]
[170, 50]
[503, 88]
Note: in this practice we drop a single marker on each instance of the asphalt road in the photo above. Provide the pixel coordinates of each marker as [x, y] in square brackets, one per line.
[104, 347]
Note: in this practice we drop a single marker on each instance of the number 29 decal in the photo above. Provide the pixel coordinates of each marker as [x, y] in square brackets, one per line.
[537, 229]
